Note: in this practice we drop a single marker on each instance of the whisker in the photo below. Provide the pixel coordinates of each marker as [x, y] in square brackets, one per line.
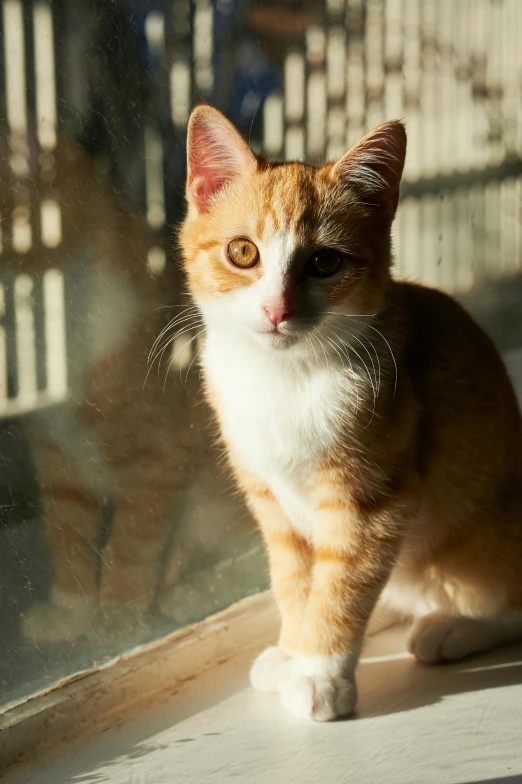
[180, 319]
[309, 342]
[160, 352]
[194, 323]
[369, 326]
[391, 353]
[198, 352]
[351, 348]
[377, 378]
[336, 349]
[176, 354]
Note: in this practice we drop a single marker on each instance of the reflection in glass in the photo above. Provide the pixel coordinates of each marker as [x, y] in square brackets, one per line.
[118, 523]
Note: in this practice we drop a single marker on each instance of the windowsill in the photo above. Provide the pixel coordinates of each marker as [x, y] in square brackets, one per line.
[453, 724]
[182, 710]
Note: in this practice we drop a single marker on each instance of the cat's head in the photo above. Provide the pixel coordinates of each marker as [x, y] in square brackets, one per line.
[272, 251]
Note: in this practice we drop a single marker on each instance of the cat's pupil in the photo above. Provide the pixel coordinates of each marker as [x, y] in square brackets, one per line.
[324, 263]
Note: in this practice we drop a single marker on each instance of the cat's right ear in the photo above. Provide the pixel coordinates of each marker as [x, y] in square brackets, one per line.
[216, 155]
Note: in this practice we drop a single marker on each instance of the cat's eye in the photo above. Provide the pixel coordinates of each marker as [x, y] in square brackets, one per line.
[323, 263]
[243, 253]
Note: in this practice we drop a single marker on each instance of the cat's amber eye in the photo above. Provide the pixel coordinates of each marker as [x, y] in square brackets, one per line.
[243, 253]
[323, 263]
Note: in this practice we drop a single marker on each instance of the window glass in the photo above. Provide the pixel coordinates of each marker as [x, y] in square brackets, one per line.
[118, 520]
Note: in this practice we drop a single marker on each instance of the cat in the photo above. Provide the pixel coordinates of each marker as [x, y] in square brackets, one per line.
[369, 422]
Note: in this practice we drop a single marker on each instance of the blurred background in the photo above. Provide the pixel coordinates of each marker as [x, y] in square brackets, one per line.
[118, 523]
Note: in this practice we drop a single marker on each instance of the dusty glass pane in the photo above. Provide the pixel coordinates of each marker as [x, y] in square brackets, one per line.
[118, 522]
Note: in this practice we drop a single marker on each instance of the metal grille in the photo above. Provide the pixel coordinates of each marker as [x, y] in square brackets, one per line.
[33, 368]
[450, 68]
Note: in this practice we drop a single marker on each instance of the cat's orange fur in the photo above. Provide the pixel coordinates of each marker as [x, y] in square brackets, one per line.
[419, 502]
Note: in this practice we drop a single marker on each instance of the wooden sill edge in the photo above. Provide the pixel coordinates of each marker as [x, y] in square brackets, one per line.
[89, 704]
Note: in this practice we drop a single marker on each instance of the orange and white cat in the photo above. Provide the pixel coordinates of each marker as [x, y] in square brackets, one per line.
[370, 422]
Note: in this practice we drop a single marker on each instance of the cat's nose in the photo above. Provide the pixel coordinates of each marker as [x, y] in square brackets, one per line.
[276, 315]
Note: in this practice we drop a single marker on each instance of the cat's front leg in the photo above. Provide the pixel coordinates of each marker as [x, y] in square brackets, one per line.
[353, 556]
[290, 561]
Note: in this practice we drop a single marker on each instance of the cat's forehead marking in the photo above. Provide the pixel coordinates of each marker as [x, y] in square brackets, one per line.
[289, 203]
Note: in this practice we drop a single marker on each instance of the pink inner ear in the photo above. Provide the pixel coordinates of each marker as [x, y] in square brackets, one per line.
[207, 173]
[208, 182]
[216, 155]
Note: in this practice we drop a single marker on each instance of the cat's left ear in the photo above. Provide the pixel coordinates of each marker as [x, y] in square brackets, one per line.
[216, 155]
[373, 167]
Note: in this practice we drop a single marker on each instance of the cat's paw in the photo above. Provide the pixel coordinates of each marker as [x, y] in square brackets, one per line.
[46, 622]
[319, 697]
[440, 637]
[269, 669]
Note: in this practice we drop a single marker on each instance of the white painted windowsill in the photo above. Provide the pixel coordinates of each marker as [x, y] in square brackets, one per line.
[452, 724]
[182, 712]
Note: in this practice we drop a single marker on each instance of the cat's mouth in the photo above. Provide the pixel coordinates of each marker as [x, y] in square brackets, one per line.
[277, 337]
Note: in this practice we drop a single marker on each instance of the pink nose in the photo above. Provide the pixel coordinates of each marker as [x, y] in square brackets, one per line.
[276, 315]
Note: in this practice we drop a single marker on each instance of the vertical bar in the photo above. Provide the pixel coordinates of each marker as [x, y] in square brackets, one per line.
[316, 103]
[463, 94]
[273, 125]
[25, 341]
[51, 223]
[55, 337]
[464, 271]
[203, 45]
[44, 75]
[15, 77]
[22, 235]
[180, 93]
[393, 41]
[429, 116]
[411, 87]
[3, 351]
[448, 264]
[156, 260]
[316, 120]
[508, 227]
[336, 72]
[355, 74]
[518, 223]
[295, 105]
[494, 82]
[294, 86]
[428, 240]
[477, 233]
[154, 186]
[316, 98]
[479, 54]
[518, 77]
[374, 63]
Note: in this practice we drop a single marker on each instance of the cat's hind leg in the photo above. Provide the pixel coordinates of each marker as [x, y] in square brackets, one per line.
[441, 636]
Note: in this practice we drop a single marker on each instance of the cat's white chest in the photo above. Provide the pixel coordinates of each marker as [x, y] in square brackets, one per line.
[280, 422]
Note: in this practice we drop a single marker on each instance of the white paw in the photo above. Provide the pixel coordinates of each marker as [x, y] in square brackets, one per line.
[47, 622]
[319, 697]
[439, 637]
[269, 669]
